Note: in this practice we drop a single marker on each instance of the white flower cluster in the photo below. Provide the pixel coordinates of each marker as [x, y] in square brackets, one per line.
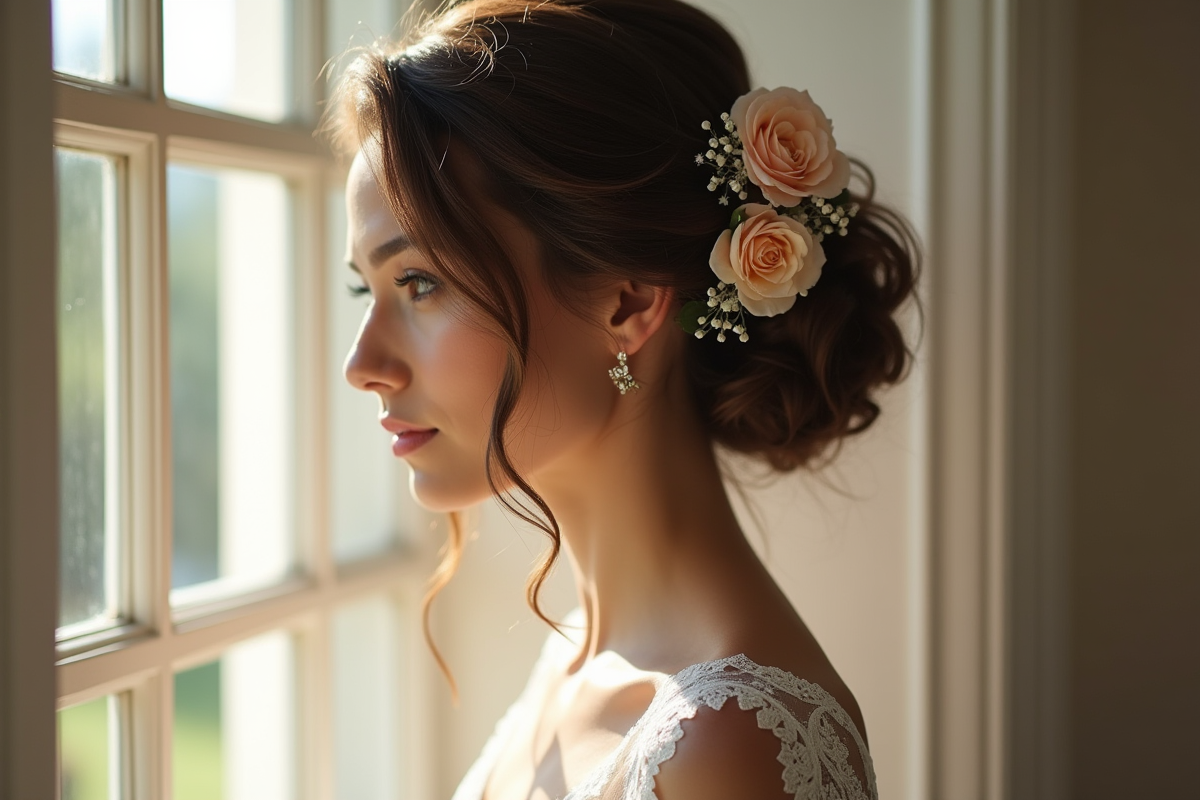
[725, 313]
[725, 157]
[824, 217]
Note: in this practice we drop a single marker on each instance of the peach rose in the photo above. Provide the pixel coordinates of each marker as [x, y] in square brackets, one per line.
[789, 148]
[771, 258]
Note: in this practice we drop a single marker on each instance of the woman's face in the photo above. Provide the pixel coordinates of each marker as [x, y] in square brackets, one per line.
[435, 362]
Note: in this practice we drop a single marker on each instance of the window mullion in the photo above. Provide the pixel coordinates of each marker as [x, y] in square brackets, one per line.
[415, 703]
[308, 21]
[159, 751]
[142, 389]
[312, 412]
[158, 398]
[152, 15]
[315, 731]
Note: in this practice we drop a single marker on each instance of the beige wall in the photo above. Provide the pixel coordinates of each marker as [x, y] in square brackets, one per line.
[1135, 398]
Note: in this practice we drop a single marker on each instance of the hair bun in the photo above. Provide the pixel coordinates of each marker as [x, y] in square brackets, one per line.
[808, 377]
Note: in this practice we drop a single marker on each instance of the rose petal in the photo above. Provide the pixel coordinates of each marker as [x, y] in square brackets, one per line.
[738, 113]
[807, 277]
[839, 177]
[789, 148]
[719, 261]
[767, 306]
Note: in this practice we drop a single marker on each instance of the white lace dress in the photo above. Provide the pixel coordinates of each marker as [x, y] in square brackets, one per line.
[821, 751]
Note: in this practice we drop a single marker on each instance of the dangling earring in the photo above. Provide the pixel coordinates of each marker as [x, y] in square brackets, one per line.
[621, 377]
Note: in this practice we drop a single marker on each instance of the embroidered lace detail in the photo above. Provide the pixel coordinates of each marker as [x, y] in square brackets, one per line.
[810, 725]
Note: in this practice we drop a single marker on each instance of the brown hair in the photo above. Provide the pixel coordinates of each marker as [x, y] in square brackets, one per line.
[585, 118]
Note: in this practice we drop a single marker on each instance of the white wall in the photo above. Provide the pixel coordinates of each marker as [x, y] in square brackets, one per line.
[847, 545]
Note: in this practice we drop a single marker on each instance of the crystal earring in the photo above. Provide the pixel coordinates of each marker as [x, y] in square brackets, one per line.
[621, 377]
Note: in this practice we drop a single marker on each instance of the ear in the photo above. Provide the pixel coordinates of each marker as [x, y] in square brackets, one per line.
[641, 310]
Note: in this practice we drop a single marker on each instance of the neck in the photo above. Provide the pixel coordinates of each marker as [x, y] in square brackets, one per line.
[648, 529]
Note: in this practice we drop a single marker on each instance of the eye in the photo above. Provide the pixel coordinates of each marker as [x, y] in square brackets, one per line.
[423, 284]
[357, 291]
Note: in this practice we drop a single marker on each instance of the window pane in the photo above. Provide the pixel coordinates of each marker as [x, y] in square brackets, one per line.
[84, 41]
[87, 370]
[231, 378]
[354, 23]
[366, 677]
[231, 55]
[368, 490]
[235, 724]
[87, 736]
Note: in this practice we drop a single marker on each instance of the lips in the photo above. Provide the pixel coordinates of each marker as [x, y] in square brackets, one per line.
[406, 437]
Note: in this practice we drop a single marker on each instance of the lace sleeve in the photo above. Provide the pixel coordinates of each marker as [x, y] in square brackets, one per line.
[821, 751]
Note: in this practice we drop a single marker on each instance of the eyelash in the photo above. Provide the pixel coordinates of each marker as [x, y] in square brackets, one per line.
[418, 278]
[401, 282]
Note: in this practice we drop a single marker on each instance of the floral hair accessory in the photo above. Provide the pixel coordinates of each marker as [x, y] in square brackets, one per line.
[781, 142]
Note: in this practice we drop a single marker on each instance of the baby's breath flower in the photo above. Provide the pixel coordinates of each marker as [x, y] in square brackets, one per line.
[735, 167]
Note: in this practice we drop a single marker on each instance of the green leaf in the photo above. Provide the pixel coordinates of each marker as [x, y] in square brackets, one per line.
[691, 312]
[739, 216]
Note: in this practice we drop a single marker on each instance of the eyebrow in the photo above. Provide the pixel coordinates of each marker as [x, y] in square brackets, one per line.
[385, 251]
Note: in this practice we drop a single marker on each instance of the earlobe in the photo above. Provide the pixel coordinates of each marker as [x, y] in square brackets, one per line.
[641, 310]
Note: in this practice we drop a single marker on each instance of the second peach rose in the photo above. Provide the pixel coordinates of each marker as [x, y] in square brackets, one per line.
[770, 258]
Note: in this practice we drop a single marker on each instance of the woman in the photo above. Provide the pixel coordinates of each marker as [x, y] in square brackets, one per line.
[593, 253]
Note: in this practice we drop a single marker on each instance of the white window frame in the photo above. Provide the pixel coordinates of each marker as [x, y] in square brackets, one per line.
[138, 659]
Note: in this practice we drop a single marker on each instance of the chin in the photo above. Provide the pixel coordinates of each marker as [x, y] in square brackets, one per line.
[441, 493]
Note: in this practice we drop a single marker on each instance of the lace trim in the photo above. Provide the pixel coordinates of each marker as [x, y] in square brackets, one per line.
[810, 752]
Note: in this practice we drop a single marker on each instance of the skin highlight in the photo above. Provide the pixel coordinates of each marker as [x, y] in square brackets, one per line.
[665, 575]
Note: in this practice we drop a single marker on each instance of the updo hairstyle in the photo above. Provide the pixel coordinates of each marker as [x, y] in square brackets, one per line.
[585, 117]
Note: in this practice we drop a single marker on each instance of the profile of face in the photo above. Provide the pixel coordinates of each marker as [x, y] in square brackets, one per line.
[435, 361]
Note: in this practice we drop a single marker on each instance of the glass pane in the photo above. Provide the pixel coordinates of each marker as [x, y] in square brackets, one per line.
[354, 23]
[231, 55]
[87, 370]
[235, 724]
[87, 735]
[84, 41]
[366, 678]
[368, 491]
[231, 378]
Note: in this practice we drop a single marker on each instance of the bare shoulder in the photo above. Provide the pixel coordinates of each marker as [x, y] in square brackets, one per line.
[789, 646]
[732, 752]
[723, 754]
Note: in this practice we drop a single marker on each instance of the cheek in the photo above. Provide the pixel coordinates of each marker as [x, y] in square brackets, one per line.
[456, 371]
[567, 397]
[463, 368]
[566, 400]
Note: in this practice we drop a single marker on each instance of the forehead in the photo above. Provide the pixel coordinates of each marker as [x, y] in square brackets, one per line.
[369, 217]
[361, 186]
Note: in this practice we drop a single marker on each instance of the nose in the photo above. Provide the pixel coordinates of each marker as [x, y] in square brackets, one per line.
[374, 363]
